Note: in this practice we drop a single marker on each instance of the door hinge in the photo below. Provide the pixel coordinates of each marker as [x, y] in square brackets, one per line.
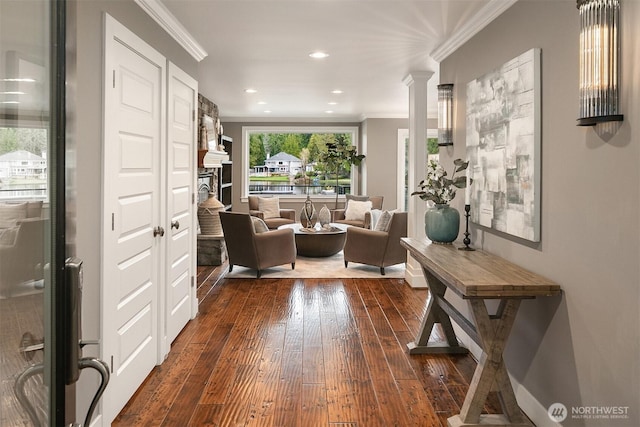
[193, 282]
[111, 364]
[193, 115]
[193, 198]
[114, 79]
[113, 221]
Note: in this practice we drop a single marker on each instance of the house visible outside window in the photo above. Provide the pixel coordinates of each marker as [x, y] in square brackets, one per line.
[23, 165]
[286, 161]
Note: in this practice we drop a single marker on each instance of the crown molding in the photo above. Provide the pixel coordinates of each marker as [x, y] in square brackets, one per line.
[257, 119]
[414, 76]
[159, 12]
[484, 17]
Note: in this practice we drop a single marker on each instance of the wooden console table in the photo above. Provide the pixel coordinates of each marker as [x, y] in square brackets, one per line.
[476, 276]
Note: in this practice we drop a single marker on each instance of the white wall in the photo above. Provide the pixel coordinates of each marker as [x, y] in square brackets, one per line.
[581, 349]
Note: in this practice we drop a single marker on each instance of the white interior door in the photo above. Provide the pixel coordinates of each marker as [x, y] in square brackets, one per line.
[134, 113]
[182, 96]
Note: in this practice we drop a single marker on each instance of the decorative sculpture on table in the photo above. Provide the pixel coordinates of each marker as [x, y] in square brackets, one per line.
[308, 214]
[324, 216]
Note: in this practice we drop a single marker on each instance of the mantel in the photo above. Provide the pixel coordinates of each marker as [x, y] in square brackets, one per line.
[214, 159]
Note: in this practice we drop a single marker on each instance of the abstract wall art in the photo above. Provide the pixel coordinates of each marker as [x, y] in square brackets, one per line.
[503, 147]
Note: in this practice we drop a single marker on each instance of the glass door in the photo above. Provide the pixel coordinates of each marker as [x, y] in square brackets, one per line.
[32, 211]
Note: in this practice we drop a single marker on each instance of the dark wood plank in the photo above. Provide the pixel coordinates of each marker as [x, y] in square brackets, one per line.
[314, 405]
[317, 352]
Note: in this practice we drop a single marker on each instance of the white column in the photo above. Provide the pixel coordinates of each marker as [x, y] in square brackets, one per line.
[416, 81]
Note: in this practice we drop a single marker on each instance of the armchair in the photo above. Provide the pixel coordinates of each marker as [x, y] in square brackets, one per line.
[340, 215]
[252, 249]
[274, 217]
[22, 261]
[379, 248]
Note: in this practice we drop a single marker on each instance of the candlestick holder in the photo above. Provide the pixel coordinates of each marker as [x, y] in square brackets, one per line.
[466, 240]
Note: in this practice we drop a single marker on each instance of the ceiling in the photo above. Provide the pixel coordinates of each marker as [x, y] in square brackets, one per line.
[265, 45]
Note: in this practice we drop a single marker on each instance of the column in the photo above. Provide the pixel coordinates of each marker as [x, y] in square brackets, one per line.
[416, 81]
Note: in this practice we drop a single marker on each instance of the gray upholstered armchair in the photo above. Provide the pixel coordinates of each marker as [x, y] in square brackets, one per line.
[252, 249]
[342, 216]
[379, 248]
[274, 217]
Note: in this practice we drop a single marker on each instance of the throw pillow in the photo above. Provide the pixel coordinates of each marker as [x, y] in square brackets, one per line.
[356, 210]
[258, 225]
[349, 197]
[269, 206]
[384, 222]
[13, 212]
[375, 217]
[8, 236]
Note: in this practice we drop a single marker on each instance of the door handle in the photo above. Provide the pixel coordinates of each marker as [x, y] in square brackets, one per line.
[175, 224]
[158, 231]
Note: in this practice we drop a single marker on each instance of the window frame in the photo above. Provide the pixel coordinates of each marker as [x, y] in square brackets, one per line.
[248, 130]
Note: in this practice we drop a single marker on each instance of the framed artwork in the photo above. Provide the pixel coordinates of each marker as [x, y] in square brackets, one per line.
[503, 147]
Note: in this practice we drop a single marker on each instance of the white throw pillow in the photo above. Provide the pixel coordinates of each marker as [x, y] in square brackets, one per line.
[356, 210]
[384, 222]
[375, 217]
[13, 212]
[269, 206]
[8, 236]
[258, 225]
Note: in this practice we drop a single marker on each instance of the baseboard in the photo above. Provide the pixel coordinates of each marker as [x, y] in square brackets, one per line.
[413, 275]
[528, 403]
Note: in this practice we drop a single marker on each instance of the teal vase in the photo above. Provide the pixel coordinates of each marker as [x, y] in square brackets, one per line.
[442, 223]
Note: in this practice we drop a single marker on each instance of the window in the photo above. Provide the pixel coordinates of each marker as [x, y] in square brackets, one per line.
[23, 170]
[403, 162]
[287, 161]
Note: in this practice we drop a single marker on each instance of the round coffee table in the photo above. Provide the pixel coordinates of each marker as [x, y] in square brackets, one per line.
[319, 242]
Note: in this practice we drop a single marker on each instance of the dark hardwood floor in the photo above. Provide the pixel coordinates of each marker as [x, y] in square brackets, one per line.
[305, 352]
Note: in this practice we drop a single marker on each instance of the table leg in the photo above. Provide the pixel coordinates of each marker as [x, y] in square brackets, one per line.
[491, 373]
[435, 314]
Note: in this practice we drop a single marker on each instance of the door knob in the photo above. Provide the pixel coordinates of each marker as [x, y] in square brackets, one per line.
[158, 231]
[175, 224]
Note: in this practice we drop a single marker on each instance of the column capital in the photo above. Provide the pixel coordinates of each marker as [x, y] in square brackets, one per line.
[415, 76]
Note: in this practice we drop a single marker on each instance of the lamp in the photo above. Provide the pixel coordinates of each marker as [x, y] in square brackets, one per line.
[445, 114]
[599, 61]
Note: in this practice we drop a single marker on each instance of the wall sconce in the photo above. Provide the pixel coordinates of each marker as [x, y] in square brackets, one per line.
[599, 61]
[445, 114]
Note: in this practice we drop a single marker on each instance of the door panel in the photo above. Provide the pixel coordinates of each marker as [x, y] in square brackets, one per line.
[132, 190]
[182, 98]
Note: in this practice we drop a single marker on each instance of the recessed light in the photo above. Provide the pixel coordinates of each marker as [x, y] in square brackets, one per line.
[262, 103]
[18, 80]
[318, 55]
[329, 111]
[9, 102]
[332, 103]
[12, 93]
[267, 111]
[336, 91]
[250, 90]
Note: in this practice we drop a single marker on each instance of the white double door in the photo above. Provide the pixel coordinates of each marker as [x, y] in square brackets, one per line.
[148, 289]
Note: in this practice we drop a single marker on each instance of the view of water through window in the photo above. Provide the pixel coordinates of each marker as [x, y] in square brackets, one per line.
[23, 163]
[297, 164]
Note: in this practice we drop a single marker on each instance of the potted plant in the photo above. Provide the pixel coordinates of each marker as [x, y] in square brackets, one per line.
[338, 156]
[441, 221]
